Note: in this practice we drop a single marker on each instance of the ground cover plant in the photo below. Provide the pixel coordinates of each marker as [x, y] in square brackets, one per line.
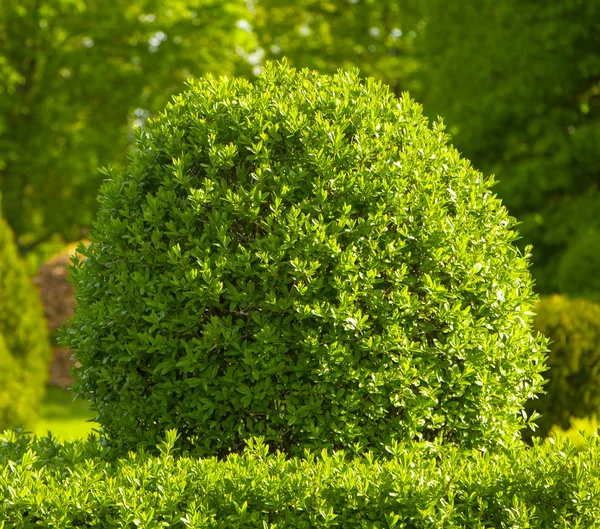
[304, 259]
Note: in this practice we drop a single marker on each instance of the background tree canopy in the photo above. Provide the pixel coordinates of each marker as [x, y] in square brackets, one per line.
[75, 76]
[517, 83]
[373, 35]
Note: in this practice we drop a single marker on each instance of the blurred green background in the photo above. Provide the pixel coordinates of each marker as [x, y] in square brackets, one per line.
[65, 418]
[516, 81]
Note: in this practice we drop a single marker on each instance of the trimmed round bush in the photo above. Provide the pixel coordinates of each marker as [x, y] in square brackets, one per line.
[24, 345]
[573, 377]
[307, 260]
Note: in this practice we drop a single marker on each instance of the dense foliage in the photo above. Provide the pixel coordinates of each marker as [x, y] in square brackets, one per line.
[61, 118]
[518, 85]
[24, 346]
[573, 380]
[302, 258]
[44, 483]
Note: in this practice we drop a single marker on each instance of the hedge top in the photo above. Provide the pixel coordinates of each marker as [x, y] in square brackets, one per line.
[547, 486]
[304, 259]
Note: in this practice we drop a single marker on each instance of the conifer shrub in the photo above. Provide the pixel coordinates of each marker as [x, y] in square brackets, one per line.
[304, 259]
[24, 346]
[573, 378]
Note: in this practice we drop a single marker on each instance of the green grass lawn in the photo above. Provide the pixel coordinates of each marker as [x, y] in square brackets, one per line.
[68, 420]
[65, 418]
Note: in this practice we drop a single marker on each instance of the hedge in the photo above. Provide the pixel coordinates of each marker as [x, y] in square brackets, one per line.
[48, 484]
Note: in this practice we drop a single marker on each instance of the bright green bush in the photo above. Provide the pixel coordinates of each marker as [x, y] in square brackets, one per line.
[24, 346]
[46, 484]
[573, 377]
[578, 431]
[303, 259]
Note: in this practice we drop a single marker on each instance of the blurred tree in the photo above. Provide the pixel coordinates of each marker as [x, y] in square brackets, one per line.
[518, 84]
[75, 74]
[24, 346]
[325, 35]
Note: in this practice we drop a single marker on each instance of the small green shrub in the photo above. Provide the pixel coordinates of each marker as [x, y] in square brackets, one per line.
[573, 377]
[24, 346]
[303, 259]
[47, 484]
[579, 268]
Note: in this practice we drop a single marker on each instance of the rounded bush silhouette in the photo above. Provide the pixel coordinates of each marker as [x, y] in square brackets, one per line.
[24, 346]
[307, 260]
[573, 378]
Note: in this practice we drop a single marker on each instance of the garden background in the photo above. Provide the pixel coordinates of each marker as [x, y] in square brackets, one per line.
[517, 84]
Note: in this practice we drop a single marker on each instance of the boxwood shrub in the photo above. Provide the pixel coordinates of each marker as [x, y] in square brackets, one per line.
[305, 259]
[46, 484]
[24, 346]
